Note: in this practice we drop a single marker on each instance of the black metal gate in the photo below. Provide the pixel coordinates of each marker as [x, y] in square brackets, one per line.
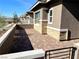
[62, 53]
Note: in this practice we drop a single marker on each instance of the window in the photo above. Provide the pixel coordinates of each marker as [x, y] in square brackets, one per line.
[37, 17]
[50, 17]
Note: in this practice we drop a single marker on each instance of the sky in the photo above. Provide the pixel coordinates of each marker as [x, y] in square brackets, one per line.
[9, 7]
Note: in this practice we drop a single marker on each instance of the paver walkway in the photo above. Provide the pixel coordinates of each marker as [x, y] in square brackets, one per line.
[46, 42]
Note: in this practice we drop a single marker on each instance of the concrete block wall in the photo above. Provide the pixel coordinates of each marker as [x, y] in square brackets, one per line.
[7, 40]
[33, 54]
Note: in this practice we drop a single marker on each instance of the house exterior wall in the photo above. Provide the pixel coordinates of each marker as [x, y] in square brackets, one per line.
[28, 19]
[44, 20]
[61, 27]
[38, 26]
[53, 33]
[41, 26]
[23, 20]
[70, 22]
[57, 12]
[44, 27]
[64, 24]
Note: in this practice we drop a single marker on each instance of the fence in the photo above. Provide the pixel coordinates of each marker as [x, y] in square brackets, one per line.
[62, 53]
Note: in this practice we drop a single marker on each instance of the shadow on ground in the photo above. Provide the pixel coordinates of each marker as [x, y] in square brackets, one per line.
[22, 42]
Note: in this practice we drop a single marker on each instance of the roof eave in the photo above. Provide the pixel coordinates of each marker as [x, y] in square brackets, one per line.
[37, 3]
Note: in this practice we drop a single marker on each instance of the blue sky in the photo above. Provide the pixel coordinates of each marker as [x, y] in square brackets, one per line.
[8, 7]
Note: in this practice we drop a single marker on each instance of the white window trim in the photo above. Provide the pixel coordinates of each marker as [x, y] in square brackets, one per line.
[35, 13]
[50, 16]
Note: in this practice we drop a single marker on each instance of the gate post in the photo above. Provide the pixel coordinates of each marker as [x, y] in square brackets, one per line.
[77, 51]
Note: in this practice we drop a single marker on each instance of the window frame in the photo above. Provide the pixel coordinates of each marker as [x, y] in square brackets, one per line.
[50, 16]
[37, 18]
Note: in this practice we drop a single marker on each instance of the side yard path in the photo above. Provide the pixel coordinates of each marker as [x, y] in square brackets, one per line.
[46, 42]
[29, 39]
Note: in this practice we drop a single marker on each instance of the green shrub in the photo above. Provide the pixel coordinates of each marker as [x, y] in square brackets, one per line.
[2, 21]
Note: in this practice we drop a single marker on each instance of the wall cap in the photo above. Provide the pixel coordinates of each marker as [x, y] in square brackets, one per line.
[5, 35]
[24, 55]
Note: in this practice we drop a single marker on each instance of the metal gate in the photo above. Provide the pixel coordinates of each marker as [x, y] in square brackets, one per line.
[62, 53]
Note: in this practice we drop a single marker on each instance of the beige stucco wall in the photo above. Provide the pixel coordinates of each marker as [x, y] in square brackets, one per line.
[69, 22]
[38, 28]
[44, 14]
[53, 33]
[57, 12]
[41, 26]
[31, 18]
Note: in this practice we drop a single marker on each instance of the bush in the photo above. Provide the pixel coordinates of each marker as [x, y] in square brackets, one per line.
[2, 21]
[15, 18]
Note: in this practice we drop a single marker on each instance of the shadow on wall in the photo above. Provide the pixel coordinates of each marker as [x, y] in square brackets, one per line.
[69, 36]
[73, 7]
[22, 42]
